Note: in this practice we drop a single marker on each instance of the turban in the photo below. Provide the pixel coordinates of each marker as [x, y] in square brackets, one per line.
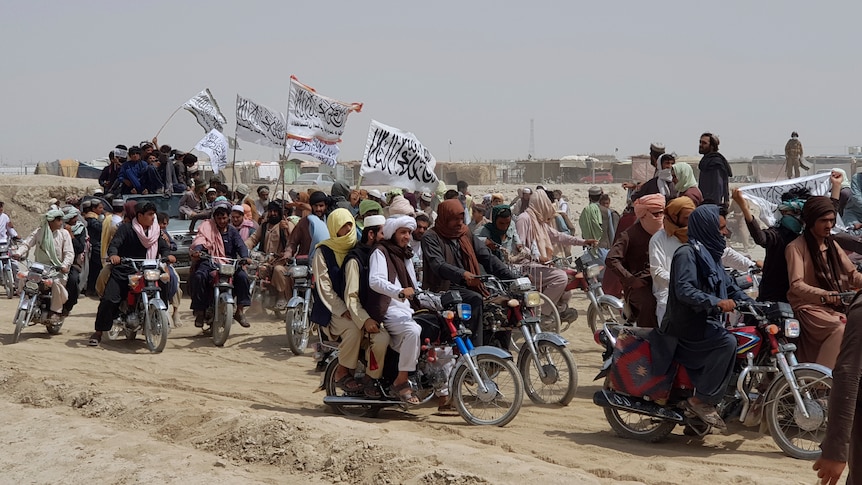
[317, 197]
[426, 197]
[400, 206]
[673, 211]
[375, 193]
[53, 214]
[70, 213]
[645, 209]
[397, 222]
[369, 205]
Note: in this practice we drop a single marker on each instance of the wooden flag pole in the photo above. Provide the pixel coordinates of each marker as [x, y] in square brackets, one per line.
[166, 122]
[235, 143]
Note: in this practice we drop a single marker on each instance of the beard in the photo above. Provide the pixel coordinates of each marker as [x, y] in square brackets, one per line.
[273, 220]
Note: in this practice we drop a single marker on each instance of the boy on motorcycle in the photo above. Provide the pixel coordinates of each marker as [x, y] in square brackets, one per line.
[393, 284]
[220, 240]
[52, 246]
[692, 332]
[138, 239]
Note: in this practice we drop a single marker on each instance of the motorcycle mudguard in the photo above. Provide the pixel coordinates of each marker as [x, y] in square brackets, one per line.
[159, 304]
[611, 301]
[554, 338]
[607, 398]
[227, 297]
[491, 350]
[817, 367]
[295, 301]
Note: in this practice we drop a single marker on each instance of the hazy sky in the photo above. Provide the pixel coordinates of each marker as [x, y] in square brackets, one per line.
[80, 76]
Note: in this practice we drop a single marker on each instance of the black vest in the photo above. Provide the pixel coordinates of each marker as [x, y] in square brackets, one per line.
[320, 314]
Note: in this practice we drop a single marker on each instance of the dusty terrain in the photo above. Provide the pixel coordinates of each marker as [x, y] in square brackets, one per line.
[250, 413]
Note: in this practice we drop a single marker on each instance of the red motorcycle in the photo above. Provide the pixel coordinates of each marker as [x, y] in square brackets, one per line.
[768, 383]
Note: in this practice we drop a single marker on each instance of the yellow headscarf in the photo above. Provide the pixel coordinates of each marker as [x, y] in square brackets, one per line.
[671, 217]
[340, 245]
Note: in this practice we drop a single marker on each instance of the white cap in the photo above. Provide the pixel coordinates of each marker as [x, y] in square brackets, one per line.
[372, 221]
[375, 193]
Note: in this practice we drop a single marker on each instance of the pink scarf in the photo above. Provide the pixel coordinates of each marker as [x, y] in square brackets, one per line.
[210, 238]
[245, 228]
[149, 241]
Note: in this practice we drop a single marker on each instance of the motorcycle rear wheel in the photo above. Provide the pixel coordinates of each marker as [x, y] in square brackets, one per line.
[502, 378]
[637, 426]
[797, 436]
[9, 282]
[20, 323]
[561, 380]
[298, 328]
[156, 330]
[332, 389]
[221, 322]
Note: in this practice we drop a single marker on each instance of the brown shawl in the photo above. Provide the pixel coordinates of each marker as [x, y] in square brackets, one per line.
[450, 210]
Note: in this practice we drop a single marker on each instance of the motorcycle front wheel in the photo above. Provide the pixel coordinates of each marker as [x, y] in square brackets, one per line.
[298, 328]
[502, 401]
[560, 382]
[156, 329]
[20, 323]
[596, 316]
[796, 435]
[637, 426]
[9, 282]
[221, 322]
[332, 389]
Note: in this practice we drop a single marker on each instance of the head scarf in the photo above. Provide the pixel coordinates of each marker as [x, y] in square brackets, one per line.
[496, 234]
[703, 228]
[452, 210]
[791, 217]
[46, 245]
[827, 270]
[72, 218]
[400, 206]
[645, 207]
[672, 216]
[845, 182]
[343, 244]
[340, 189]
[369, 205]
[684, 177]
[541, 212]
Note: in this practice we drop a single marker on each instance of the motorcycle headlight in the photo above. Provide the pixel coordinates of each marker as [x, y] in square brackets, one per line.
[152, 274]
[593, 271]
[227, 269]
[134, 279]
[464, 312]
[298, 271]
[791, 328]
[532, 299]
[31, 285]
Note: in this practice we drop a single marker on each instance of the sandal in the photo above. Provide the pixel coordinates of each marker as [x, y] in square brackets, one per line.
[349, 385]
[95, 339]
[706, 413]
[370, 389]
[406, 397]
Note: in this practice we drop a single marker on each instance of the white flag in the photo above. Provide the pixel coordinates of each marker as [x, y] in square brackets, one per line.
[310, 115]
[767, 196]
[214, 144]
[395, 157]
[206, 110]
[258, 124]
[325, 152]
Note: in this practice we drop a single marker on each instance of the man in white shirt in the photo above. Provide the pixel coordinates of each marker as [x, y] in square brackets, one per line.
[7, 230]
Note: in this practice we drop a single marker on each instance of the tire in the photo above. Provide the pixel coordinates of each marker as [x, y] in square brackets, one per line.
[507, 386]
[605, 313]
[20, 323]
[561, 380]
[359, 411]
[637, 426]
[9, 282]
[297, 328]
[553, 326]
[156, 329]
[797, 436]
[222, 318]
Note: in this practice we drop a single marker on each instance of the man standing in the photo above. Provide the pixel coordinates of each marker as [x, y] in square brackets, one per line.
[94, 230]
[793, 156]
[610, 220]
[714, 172]
[591, 218]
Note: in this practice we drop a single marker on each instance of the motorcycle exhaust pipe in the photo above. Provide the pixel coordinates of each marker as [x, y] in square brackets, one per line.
[609, 399]
[357, 401]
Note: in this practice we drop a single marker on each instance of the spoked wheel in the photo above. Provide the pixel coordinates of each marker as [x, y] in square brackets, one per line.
[298, 329]
[503, 397]
[637, 426]
[799, 436]
[221, 322]
[332, 389]
[601, 315]
[8, 282]
[156, 329]
[560, 381]
[20, 323]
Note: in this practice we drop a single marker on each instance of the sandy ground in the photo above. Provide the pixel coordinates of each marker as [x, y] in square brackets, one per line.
[250, 413]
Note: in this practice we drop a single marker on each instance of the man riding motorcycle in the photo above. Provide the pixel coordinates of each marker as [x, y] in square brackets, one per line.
[220, 240]
[272, 239]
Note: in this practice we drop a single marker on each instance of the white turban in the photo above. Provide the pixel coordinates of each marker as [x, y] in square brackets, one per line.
[397, 222]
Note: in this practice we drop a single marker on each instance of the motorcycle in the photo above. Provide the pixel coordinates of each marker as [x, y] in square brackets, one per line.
[546, 365]
[297, 318]
[143, 308]
[482, 382]
[34, 304]
[263, 293]
[219, 315]
[603, 308]
[6, 270]
[768, 383]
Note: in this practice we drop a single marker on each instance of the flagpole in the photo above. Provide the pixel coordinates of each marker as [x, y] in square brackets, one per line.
[235, 143]
[166, 122]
